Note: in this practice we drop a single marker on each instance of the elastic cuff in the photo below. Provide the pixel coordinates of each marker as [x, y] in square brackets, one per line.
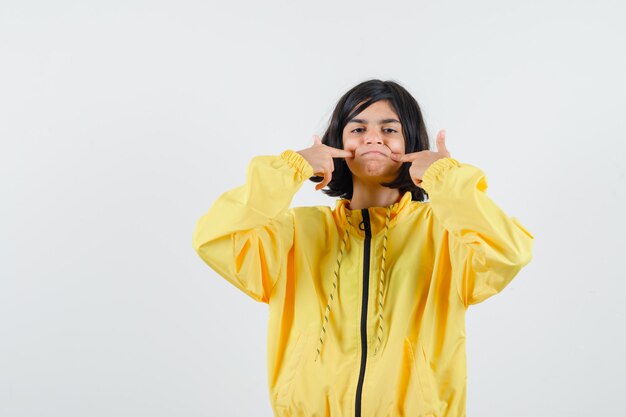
[297, 161]
[434, 171]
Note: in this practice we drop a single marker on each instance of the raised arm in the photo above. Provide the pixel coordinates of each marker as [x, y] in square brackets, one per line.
[487, 248]
[247, 233]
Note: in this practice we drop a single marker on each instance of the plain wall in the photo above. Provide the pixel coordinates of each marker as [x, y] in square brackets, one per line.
[122, 121]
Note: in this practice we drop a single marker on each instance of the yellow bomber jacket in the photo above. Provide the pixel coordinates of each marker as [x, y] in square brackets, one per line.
[366, 307]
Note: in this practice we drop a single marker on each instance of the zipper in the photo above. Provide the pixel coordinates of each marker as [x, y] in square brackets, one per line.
[366, 277]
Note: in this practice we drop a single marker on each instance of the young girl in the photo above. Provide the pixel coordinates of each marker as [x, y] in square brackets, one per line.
[367, 301]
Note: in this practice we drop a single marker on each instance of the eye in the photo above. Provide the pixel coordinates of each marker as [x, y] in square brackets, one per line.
[387, 130]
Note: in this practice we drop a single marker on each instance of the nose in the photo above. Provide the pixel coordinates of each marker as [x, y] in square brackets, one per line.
[373, 137]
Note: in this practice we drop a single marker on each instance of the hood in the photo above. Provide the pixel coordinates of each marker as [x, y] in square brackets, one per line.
[351, 221]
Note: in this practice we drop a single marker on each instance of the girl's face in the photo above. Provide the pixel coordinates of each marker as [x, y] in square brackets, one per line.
[372, 136]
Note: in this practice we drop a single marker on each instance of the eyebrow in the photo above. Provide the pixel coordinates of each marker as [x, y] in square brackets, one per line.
[383, 121]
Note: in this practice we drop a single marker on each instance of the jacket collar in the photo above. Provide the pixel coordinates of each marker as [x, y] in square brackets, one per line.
[377, 214]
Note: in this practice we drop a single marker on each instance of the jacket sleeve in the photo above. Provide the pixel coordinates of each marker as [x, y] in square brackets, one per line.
[487, 248]
[246, 234]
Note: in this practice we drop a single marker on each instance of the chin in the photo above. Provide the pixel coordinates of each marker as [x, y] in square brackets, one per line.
[375, 176]
[374, 169]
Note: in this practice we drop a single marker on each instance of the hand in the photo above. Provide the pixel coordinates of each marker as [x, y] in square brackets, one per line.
[420, 161]
[320, 157]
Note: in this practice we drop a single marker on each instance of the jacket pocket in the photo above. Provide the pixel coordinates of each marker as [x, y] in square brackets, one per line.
[293, 364]
[427, 383]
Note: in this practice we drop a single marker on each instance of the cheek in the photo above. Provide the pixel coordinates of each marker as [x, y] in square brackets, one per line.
[349, 144]
[398, 146]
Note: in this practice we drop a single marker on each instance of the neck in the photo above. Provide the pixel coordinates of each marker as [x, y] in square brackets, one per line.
[373, 195]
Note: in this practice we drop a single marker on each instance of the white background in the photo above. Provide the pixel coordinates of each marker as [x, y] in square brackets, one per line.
[122, 121]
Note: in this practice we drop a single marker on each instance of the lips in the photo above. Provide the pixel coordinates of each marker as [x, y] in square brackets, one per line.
[373, 153]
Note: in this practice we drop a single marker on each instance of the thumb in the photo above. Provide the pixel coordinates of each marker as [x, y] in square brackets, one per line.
[441, 143]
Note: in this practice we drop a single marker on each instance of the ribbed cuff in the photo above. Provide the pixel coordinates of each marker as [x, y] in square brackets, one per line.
[434, 171]
[297, 161]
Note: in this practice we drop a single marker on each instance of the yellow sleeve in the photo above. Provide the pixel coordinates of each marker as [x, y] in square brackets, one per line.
[487, 248]
[246, 234]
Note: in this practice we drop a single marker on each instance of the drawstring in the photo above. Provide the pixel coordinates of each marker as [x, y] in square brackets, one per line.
[336, 278]
[381, 285]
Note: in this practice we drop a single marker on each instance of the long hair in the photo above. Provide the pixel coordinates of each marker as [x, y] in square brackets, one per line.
[413, 129]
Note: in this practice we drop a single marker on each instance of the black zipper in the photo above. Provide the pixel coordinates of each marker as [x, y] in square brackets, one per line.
[366, 278]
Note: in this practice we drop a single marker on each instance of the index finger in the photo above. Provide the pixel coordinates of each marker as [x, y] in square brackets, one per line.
[404, 157]
[339, 153]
